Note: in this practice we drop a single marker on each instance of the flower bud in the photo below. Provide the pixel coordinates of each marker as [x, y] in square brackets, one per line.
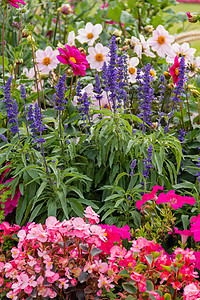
[117, 32]
[191, 87]
[82, 50]
[195, 93]
[19, 61]
[148, 28]
[170, 86]
[60, 45]
[127, 41]
[167, 75]
[192, 18]
[65, 9]
[30, 39]
[25, 33]
[118, 40]
[69, 72]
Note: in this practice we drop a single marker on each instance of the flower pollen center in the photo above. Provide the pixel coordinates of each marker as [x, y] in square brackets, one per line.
[176, 71]
[161, 40]
[90, 36]
[99, 57]
[72, 59]
[46, 61]
[152, 73]
[132, 70]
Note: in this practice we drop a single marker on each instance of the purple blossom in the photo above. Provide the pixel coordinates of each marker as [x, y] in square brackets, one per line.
[60, 99]
[147, 162]
[145, 94]
[133, 164]
[3, 137]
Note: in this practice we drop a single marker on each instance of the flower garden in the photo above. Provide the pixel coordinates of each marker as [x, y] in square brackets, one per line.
[99, 151]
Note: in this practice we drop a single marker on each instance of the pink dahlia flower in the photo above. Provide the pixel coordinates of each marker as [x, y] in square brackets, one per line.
[10, 204]
[46, 59]
[161, 41]
[174, 70]
[14, 3]
[72, 56]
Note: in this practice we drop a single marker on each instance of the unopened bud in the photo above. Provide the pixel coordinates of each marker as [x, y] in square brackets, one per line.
[118, 40]
[170, 86]
[60, 46]
[69, 72]
[167, 75]
[19, 61]
[30, 39]
[125, 48]
[148, 28]
[82, 50]
[195, 93]
[117, 32]
[65, 9]
[192, 18]
[191, 87]
[127, 41]
[25, 33]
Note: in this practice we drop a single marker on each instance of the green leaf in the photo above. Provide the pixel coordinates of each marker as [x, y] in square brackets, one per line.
[77, 207]
[95, 251]
[185, 221]
[126, 18]
[149, 258]
[52, 207]
[149, 285]
[35, 212]
[114, 14]
[41, 188]
[124, 273]
[129, 287]
[63, 201]
[167, 296]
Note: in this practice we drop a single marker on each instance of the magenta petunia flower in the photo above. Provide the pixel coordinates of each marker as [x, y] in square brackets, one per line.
[72, 56]
[150, 196]
[14, 3]
[176, 201]
[10, 204]
[174, 70]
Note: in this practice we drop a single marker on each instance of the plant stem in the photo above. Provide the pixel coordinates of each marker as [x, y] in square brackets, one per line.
[54, 36]
[45, 163]
[4, 17]
[188, 106]
[181, 107]
[33, 53]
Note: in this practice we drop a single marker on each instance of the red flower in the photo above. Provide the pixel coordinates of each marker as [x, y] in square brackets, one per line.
[75, 58]
[14, 3]
[150, 196]
[176, 201]
[174, 70]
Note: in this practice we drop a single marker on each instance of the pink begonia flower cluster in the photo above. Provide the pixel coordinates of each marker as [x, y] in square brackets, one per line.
[61, 258]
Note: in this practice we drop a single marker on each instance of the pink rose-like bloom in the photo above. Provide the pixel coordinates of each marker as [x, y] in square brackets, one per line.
[47, 59]
[72, 56]
[14, 3]
[161, 41]
[176, 201]
[191, 292]
[195, 227]
[150, 196]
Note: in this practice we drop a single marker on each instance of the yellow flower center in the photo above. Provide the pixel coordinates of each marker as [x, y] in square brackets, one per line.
[72, 59]
[62, 283]
[129, 264]
[90, 36]
[132, 70]
[176, 71]
[161, 40]
[99, 57]
[46, 61]
[152, 73]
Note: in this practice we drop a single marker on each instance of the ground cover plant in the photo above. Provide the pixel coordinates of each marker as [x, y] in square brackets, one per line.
[99, 111]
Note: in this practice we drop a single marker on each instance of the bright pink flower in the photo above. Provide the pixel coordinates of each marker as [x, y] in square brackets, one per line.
[150, 196]
[191, 292]
[15, 252]
[10, 204]
[174, 70]
[91, 215]
[51, 276]
[63, 283]
[184, 234]
[176, 201]
[195, 227]
[14, 3]
[72, 56]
